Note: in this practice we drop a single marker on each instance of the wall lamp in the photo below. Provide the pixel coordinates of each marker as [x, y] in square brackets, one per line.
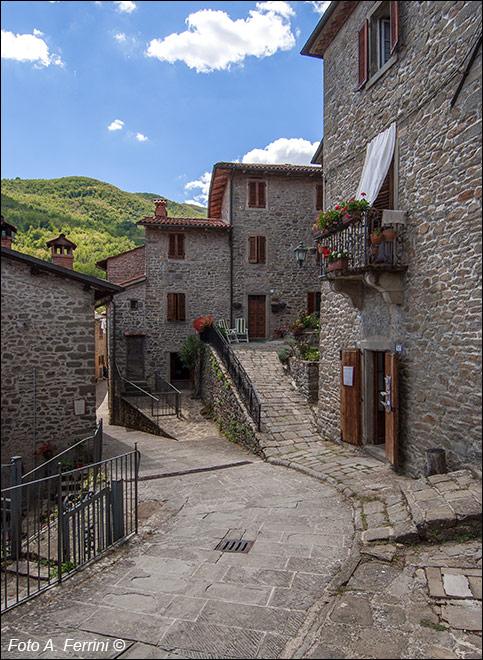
[301, 254]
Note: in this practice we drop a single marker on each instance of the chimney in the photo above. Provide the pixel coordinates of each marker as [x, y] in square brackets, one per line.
[161, 211]
[8, 231]
[62, 251]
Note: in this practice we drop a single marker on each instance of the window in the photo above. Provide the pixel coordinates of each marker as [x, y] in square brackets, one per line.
[257, 197]
[257, 249]
[378, 39]
[313, 302]
[319, 197]
[176, 307]
[385, 197]
[176, 246]
[134, 304]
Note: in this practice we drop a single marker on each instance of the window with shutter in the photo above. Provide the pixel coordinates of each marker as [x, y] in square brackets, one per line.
[378, 40]
[176, 307]
[257, 197]
[257, 250]
[176, 246]
[385, 198]
[313, 302]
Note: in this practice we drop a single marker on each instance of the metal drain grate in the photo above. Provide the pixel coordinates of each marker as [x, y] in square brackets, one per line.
[234, 545]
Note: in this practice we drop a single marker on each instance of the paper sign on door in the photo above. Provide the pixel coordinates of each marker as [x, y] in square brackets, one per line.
[348, 376]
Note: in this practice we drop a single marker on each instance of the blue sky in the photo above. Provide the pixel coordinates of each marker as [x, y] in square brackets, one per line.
[148, 96]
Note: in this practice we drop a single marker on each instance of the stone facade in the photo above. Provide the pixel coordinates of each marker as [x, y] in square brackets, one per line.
[123, 267]
[437, 181]
[48, 355]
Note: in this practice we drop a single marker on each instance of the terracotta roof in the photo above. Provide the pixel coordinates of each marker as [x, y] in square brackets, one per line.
[184, 222]
[327, 28]
[222, 171]
[133, 280]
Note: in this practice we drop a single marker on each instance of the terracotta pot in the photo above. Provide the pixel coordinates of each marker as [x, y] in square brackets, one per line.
[376, 239]
[321, 249]
[338, 264]
[350, 217]
[278, 335]
[389, 235]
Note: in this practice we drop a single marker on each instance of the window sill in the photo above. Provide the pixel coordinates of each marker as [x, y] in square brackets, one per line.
[380, 72]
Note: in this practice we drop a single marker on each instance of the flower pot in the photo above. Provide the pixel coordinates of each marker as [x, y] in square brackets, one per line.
[350, 217]
[376, 239]
[338, 264]
[389, 235]
[278, 335]
[321, 249]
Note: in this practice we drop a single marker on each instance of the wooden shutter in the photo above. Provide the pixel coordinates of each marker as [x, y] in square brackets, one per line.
[181, 315]
[394, 14]
[171, 316]
[350, 396]
[257, 197]
[172, 246]
[319, 197]
[392, 415]
[180, 246]
[311, 302]
[262, 198]
[252, 194]
[252, 249]
[261, 249]
[363, 54]
[385, 198]
[176, 246]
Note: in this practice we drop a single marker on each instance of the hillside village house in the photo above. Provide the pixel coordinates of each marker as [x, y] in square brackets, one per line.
[236, 263]
[400, 367]
[48, 374]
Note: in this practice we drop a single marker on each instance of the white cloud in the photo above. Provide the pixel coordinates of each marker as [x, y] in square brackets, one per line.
[319, 7]
[125, 6]
[141, 138]
[120, 37]
[295, 151]
[213, 41]
[203, 183]
[28, 48]
[116, 125]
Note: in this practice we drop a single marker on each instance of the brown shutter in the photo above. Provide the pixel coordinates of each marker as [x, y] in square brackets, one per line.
[363, 55]
[181, 307]
[252, 194]
[319, 197]
[385, 198]
[394, 13]
[171, 307]
[262, 251]
[180, 250]
[392, 415]
[311, 302]
[262, 197]
[350, 396]
[252, 249]
[172, 245]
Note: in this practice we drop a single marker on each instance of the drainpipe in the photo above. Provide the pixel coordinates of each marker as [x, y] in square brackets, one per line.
[230, 242]
[34, 419]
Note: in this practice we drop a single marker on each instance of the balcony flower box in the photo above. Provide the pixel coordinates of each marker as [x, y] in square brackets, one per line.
[338, 264]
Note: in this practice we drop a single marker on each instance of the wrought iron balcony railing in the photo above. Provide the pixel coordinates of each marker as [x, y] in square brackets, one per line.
[354, 240]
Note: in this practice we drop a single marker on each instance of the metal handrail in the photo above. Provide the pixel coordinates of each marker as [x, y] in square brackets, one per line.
[239, 376]
[134, 384]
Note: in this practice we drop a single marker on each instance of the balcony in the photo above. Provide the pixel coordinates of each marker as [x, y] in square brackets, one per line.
[380, 266]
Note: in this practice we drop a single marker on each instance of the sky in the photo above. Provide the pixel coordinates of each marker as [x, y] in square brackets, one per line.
[148, 96]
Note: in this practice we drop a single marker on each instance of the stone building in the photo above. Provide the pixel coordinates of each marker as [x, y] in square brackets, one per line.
[402, 122]
[48, 371]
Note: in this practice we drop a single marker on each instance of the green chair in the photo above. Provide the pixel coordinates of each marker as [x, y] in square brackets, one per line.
[241, 330]
[229, 333]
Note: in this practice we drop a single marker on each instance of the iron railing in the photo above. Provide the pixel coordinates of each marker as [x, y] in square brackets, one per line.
[237, 373]
[54, 525]
[353, 239]
[88, 450]
[166, 402]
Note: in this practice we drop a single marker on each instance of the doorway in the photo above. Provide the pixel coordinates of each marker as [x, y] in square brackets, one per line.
[257, 317]
[179, 375]
[135, 358]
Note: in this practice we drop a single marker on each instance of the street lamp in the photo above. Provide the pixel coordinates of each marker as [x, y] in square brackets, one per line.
[301, 254]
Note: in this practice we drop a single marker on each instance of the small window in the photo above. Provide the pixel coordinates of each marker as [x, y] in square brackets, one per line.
[134, 304]
[257, 197]
[378, 38]
[313, 302]
[176, 246]
[176, 307]
[319, 197]
[257, 250]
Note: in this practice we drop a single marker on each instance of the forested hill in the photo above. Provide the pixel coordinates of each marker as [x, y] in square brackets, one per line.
[98, 217]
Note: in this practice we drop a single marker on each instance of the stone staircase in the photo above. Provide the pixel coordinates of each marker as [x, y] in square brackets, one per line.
[387, 506]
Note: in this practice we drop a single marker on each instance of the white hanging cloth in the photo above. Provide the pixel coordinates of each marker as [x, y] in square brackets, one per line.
[379, 155]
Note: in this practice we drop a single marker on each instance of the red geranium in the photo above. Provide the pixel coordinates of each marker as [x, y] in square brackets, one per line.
[202, 322]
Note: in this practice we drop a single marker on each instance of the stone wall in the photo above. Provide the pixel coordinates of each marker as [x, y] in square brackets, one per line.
[125, 266]
[305, 375]
[285, 222]
[438, 183]
[226, 406]
[47, 361]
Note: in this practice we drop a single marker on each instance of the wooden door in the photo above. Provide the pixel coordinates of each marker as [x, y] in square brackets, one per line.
[256, 317]
[392, 408]
[135, 358]
[350, 396]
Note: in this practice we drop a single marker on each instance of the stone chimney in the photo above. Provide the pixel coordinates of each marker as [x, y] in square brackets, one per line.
[8, 231]
[161, 211]
[62, 251]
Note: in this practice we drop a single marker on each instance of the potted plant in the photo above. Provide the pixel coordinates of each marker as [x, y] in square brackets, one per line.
[389, 233]
[202, 324]
[353, 209]
[329, 220]
[376, 236]
[279, 333]
[336, 260]
[46, 450]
